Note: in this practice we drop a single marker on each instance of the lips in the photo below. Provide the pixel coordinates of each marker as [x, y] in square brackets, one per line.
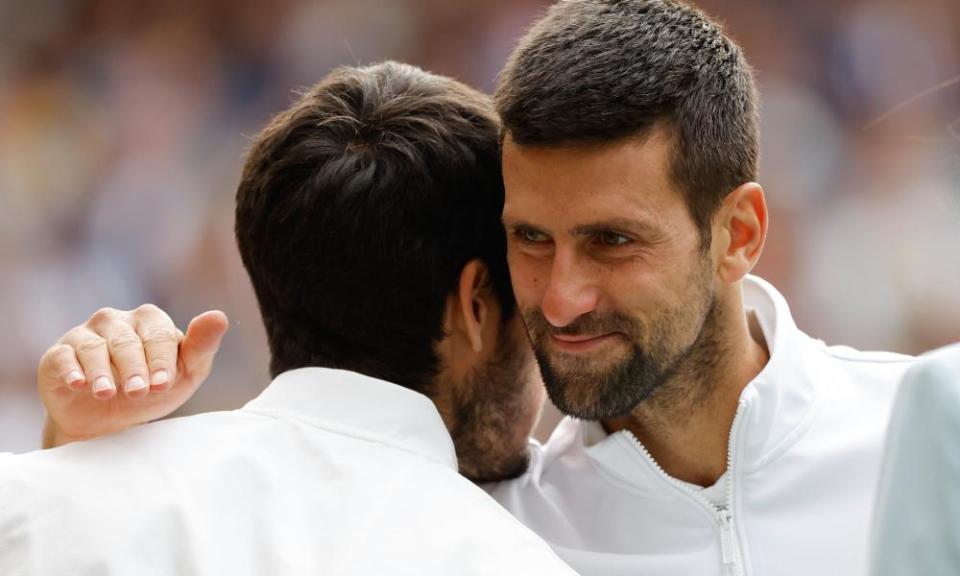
[581, 342]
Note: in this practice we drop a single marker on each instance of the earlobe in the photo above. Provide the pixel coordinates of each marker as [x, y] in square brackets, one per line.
[745, 222]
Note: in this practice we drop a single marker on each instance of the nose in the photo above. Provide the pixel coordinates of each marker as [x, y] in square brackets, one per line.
[571, 292]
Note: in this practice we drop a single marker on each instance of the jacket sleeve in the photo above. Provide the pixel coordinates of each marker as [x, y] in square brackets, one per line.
[916, 524]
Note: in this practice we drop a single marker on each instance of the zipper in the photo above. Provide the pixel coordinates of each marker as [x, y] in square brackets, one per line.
[727, 538]
[723, 516]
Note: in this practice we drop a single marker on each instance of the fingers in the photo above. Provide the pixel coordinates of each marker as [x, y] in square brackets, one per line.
[201, 343]
[93, 356]
[134, 352]
[59, 367]
[160, 339]
[124, 347]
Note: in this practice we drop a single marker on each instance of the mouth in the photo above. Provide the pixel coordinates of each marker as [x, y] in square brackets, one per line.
[576, 343]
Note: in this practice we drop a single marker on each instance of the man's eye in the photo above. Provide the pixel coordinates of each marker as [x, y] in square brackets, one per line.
[613, 239]
[532, 236]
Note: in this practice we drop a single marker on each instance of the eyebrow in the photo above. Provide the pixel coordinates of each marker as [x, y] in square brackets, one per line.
[639, 227]
[643, 230]
[509, 223]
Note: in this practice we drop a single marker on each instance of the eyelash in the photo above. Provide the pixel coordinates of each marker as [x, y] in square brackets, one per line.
[601, 238]
[523, 234]
[622, 239]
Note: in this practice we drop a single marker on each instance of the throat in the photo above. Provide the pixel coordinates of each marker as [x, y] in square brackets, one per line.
[687, 440]
[686, 423]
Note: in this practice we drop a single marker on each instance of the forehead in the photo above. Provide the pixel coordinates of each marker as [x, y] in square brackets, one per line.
[570, 185]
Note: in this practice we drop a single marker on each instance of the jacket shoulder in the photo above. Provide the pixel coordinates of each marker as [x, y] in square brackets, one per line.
[851, 355]
[867, 367]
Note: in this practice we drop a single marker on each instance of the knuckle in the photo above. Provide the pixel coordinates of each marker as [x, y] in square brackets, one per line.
[91, 345]
[72, 335]
[160, 335]
[60, 352]
[148, 310]
[124, 341]
[56, 355]
[159, 361]
[102, 316]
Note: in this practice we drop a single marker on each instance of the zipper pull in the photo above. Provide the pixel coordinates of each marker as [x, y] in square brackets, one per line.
[726, 537]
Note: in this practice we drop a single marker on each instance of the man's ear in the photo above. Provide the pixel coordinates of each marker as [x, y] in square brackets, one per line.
[741, 228]
[468, 308]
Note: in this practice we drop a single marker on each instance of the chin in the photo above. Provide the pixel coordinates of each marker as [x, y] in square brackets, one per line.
[594, 398]
[496, 469]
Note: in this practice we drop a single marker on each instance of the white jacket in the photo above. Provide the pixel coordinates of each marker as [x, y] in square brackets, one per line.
[804, 457]
[327, 472]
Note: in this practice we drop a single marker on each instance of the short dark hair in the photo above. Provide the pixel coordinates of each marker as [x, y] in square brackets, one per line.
[357, 210]
[601, 70]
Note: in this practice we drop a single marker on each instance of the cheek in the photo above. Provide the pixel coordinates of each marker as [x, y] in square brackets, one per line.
[647, 294]
[625, 287]
[529, 278]
[675, 291]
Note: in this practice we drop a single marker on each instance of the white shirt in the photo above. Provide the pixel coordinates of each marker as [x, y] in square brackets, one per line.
[916, 527]
[327, 472]
[804, 458]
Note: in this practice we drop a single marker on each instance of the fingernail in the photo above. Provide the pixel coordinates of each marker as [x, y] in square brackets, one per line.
[159, 378]
[74, 377]
[102, 384]
[136, 383]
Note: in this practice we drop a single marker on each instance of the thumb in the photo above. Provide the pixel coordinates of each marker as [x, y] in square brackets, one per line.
[201, 343]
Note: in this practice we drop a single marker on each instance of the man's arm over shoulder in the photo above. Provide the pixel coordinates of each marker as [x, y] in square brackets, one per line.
[123, 368]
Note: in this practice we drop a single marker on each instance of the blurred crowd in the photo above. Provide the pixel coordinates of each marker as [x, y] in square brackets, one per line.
[123, 126]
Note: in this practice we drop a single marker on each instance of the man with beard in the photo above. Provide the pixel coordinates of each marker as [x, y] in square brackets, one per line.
[712, 436]
[709, 435]
[367, 218]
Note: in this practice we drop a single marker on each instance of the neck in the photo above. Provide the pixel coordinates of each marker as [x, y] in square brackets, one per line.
[685, 424]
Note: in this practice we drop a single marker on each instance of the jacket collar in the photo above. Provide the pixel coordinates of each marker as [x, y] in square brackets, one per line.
[779, 403]
[776, 407]
[361, 407]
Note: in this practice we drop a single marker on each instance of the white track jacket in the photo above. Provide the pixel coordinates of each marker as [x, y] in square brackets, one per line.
[804, 459]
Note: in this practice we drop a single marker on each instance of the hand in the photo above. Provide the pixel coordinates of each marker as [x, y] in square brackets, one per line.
[156, 367]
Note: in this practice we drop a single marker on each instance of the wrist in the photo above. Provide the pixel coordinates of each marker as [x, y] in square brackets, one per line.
[54, 436]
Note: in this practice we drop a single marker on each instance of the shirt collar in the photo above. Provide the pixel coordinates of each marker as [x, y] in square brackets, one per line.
[359, 406]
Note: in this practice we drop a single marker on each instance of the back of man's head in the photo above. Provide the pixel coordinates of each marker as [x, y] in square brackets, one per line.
[356, 212]
[594, 71]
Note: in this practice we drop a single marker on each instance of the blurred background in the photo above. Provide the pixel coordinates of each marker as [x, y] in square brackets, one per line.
[123, 126]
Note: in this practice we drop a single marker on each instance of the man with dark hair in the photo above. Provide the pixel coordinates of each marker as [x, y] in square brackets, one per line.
[713, 436]
[368, 220]
[708, 434]
[361, 211]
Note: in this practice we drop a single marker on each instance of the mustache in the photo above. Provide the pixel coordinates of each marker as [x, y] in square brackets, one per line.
[538, 326]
